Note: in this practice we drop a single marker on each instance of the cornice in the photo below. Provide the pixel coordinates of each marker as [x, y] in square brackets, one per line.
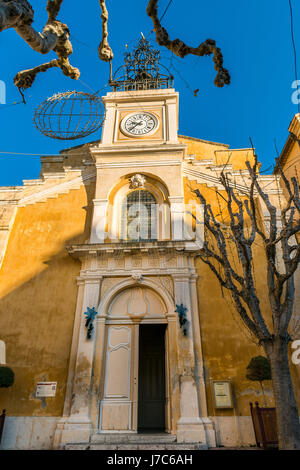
[9, 202]
[140, 95]
[286, 151]
[214, 181]
[133, 150]
[138, 163]
[99, 274]
[203, 141]
[294, 127]
[56, 189]
[130, 248]
[294, 135]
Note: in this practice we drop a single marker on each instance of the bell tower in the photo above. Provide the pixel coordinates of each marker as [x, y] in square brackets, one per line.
[143, 107]
[140, 136]
[137, 269]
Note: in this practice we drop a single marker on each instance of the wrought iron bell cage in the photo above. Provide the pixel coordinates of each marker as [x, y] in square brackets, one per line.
[141, 70]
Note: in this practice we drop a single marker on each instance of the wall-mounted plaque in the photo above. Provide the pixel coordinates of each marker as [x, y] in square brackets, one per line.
[222, 394]
[45, 389]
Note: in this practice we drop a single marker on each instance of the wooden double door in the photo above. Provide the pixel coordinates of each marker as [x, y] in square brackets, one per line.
[134, 395]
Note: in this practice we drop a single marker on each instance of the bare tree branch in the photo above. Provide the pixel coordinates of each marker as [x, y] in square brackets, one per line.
[19, 14]
[105, 51]
[277, 228]
[15, 12]
[180, 49]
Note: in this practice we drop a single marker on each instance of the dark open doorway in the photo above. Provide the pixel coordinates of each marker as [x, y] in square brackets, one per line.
[152, 387]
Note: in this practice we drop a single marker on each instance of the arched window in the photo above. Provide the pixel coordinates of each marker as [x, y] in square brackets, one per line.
[139, 217]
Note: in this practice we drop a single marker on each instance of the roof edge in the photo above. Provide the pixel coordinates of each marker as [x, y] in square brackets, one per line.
[202, 140]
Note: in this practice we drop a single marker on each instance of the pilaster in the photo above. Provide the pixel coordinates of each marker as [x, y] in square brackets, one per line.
[190, 426]
[99, 219]
[177, 217]
[78, 426]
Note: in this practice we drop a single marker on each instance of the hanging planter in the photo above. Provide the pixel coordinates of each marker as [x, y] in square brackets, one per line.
[90, 317]
[183, 321]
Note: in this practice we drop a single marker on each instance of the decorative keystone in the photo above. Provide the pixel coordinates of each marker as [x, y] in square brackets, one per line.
[137, 181]
[137, 277]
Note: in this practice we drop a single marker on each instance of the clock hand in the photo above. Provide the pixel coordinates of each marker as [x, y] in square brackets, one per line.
[136, 124]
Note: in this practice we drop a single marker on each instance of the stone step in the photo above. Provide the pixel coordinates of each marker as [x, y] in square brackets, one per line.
[137, 446]
[111, 438]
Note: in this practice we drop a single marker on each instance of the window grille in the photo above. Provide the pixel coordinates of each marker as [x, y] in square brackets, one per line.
[139, 217]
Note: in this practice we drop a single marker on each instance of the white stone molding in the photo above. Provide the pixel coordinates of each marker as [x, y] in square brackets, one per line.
[99, 221]
[7, 218]
[2, 352]
[190, 427]
[141, 149]
[212, 180]
[129, 282]
[172, 121]
[199, 365]
[78, 426]
[55, 190]
[137, 164]
[177, 217]
[108, 125]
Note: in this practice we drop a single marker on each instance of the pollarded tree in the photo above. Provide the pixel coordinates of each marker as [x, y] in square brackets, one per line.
[7, 377]
[259, 370]
[253, 216]
[19, 14]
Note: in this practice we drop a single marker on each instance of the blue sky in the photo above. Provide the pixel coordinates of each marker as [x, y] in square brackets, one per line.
[256, 42]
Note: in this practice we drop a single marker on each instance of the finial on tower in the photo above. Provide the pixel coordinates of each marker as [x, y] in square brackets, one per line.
[141, 70]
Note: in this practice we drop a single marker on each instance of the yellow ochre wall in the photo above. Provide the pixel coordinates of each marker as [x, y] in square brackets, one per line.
[226, 343]
[38, 294]
[291, 166]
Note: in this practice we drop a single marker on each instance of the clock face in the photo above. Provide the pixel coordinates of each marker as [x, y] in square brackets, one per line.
[139, 124]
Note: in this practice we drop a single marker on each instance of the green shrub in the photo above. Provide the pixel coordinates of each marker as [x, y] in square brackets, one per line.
[7, 377]
[258, 370]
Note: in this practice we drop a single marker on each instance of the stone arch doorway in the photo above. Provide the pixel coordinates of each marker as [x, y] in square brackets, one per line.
[135, 392]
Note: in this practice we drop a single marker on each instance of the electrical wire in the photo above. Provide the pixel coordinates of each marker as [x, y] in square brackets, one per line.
[294, 49]
[162, 16]
[10, 105]
[40, 154]
[165, 12]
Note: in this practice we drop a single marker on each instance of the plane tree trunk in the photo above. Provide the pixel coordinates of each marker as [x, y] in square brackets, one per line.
[286, 406]
[228, 251]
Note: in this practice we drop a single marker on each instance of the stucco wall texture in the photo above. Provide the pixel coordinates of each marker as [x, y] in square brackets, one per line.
[38, 293]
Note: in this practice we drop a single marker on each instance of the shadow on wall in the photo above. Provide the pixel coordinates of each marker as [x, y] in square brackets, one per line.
[36, 317]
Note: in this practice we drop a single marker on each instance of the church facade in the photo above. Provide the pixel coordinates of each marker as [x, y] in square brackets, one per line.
[103, 297]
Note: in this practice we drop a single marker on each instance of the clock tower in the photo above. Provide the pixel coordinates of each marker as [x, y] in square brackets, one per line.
[143, 108]
[140, 134]
[143, 363]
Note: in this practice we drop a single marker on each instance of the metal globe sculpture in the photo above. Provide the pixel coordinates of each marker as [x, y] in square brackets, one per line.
[70, 115]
